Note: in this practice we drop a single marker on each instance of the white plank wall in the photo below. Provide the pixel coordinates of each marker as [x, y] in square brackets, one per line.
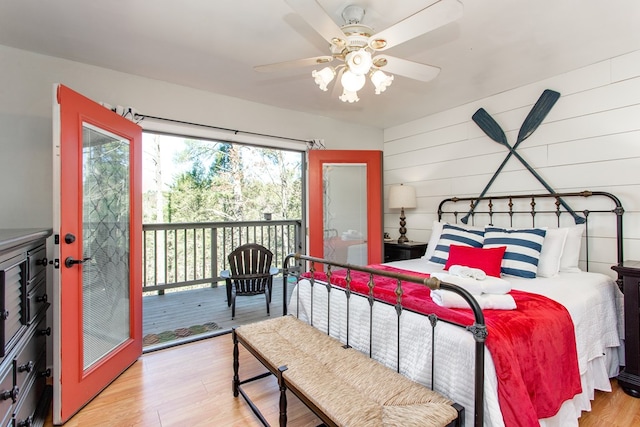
[589, 140]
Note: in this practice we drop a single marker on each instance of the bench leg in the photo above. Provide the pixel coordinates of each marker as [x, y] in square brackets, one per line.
[283, 396]
[236, 364]
[458, 422]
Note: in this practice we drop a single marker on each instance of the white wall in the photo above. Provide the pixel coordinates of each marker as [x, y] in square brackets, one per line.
[26, 97]
[589, 141]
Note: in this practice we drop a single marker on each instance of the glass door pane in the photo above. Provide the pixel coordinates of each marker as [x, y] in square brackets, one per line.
[345, 212]
[105, 240]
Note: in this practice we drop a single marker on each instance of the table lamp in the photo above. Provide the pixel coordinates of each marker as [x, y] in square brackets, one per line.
[402, 197]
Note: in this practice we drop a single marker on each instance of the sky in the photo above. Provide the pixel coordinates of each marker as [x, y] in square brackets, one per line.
[170, 146]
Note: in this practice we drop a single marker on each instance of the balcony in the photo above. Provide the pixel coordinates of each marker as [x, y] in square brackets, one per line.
[184, 297]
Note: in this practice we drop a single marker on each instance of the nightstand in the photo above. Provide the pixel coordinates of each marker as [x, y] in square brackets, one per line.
[394, 251]
[629, 378]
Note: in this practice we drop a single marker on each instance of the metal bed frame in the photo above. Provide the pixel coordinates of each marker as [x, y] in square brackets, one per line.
[485, 209]
[477, 328]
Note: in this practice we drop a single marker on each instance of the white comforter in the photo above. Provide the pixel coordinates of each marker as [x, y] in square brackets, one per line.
[592, 299]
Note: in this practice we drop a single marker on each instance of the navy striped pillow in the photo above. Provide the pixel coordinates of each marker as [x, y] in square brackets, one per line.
[453, 234]
[523, 249]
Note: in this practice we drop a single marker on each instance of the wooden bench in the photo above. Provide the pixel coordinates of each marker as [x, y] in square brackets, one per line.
[342, 386]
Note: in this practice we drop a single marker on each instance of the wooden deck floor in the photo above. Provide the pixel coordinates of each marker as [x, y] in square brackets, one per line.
[183, 309]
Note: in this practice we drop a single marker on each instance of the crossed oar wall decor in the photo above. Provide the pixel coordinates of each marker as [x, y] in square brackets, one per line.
[493, 130]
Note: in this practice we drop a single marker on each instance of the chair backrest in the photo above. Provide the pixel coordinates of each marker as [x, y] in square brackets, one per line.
[249, 265]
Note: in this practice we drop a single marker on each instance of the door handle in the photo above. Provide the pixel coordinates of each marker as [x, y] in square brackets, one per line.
[70, 261]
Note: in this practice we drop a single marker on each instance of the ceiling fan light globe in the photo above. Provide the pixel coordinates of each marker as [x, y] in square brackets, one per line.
[352, 82]
[381, 81]
[349, 96]
[353, 14]
[359, 61]
[323, 77]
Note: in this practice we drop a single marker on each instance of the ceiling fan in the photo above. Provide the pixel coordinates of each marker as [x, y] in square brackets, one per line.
[356, 46]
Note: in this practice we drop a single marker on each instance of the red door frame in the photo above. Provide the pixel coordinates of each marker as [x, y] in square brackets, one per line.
[373, 160]
[77, 386]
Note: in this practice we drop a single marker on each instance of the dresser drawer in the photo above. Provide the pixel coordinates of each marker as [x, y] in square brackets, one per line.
[26, 360]
[7, 394]
[30, 398]
[37, 262]
[36, 301]
[12, 287]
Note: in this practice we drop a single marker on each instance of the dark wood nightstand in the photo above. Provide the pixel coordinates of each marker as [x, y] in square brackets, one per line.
[629, 378]
[394, 251]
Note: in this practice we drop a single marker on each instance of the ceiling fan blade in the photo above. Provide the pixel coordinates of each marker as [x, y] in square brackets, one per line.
[317, 18]
[306, 62]
[428, 19]
[337, 86]
[406, 68]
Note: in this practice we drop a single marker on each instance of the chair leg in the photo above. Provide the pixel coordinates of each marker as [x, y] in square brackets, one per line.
[267, 295]
[233, 306]
[228, 289]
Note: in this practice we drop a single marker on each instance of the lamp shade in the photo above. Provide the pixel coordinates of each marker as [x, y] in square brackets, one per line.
[402, 196]
[323, 77]
[348, 96]
[381, 81]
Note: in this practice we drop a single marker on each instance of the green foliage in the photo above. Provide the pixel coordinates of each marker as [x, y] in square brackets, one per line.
[229, 182]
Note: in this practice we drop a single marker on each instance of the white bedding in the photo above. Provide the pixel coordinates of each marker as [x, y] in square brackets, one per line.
[592, 299]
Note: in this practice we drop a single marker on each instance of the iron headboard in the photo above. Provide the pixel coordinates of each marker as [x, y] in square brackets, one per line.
[554, 207]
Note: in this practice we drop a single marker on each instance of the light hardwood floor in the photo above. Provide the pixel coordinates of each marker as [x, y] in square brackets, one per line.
[190, 385]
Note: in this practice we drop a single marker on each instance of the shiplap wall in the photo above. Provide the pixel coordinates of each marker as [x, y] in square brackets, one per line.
[589, 141]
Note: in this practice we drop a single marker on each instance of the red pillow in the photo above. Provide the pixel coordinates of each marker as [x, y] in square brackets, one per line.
[488, 260]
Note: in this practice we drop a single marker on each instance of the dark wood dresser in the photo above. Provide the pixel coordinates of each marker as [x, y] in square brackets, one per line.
[629, 378]
[394, 251]
[24, 393]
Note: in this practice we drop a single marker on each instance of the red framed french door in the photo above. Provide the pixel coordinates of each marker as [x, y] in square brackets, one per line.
[97, 307]
[345, 205]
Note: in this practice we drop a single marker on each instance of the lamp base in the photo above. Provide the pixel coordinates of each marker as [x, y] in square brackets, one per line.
[402, 230]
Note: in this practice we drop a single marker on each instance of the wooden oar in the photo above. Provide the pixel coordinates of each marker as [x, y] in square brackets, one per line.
[535, 117]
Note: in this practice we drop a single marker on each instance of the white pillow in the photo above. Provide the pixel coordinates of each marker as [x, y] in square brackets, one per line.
[436, 230]
[552, 248]
[571, 253]
[523, 249]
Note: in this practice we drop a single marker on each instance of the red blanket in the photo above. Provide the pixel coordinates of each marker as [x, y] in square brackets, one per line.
[533, 347]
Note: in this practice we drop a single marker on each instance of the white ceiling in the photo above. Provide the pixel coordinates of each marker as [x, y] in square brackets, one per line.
[213, 45]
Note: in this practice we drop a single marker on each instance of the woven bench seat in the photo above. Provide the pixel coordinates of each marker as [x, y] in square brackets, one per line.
[341, 385]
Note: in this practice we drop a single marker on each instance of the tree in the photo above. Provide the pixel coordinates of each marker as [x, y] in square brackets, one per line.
[233, 182]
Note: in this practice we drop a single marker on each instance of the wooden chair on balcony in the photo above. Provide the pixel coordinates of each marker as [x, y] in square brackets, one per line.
[249, 273]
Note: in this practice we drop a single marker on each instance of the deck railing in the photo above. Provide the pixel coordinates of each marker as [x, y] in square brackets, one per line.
[187, 254]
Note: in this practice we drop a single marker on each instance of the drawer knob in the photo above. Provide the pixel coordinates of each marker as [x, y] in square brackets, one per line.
[27, 367]
[43, 261]
[10, 394]
[4, 314]
[42, 298]
[28, 422]
[46, 332]
[46, 373]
